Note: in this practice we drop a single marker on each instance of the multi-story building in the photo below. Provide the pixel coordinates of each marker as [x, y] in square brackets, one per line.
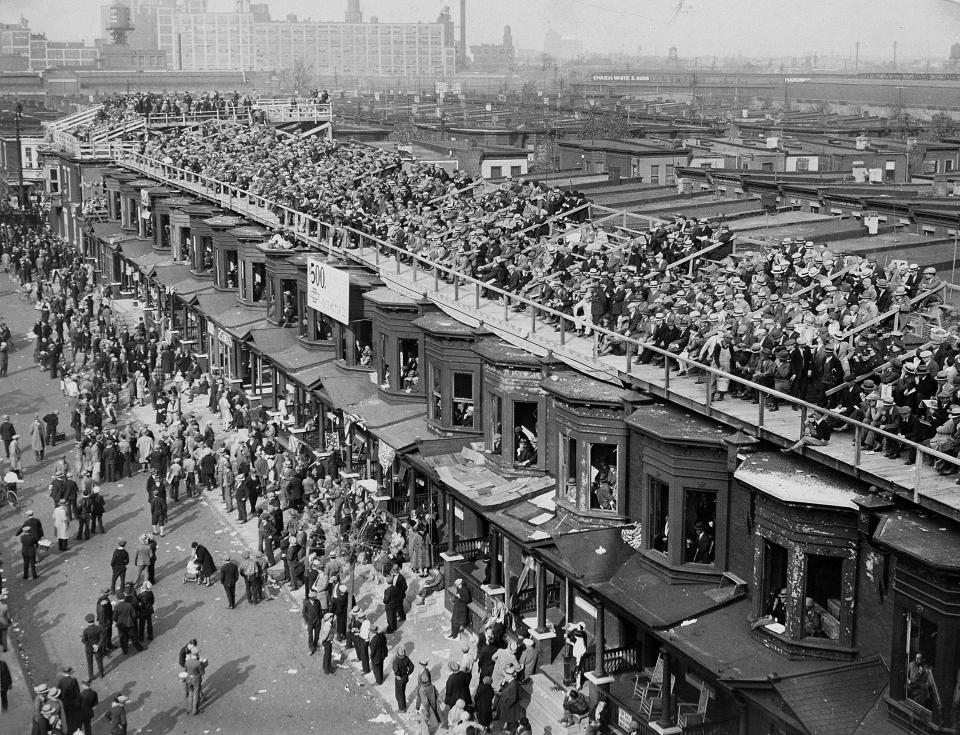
[246, 38]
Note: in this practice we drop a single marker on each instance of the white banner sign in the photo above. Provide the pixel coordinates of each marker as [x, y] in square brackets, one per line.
[328, 290]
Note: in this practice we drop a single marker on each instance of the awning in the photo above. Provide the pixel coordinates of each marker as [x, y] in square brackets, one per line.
[374, 412]
[309, 378]
[834, 702]
[651, 599]
[931, 541]
[342, 389]
[404, 435]
[226, 312]
[178, 277]
[104, 230]
[136, 247]
[464, 472]
[589, 556]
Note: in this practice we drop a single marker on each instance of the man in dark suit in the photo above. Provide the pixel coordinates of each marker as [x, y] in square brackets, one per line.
[378, 652]
[125, 616]
[229, 574]
[312, 620]
[118, 565]
[28, 550]
[89, 699]
[702, 551]
[104, 613]
[457, 686]
[391, 601]
[402, 668]
[90, 637]
[400, 582]
[70, 696]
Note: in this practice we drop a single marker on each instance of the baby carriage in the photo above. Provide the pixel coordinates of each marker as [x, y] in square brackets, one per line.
[192, 572]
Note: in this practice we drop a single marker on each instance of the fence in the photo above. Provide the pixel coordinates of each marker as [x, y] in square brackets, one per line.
[615, 660]
[428, 275]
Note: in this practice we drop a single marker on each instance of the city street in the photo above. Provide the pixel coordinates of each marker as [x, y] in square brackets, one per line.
[260, 677]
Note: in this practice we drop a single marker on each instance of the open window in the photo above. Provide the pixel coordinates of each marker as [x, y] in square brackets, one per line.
[409, 354]
[436, 393]
[568, 467]
[204, 253]
[463, 403]
[775, 581]
[659, 515]
[921, 636]
[824, 590]
[603, 476]
[289, 308]
[259, 280]
[495, 443]
[363, 341]
[231, 276]
[525, 440]
[699, 526]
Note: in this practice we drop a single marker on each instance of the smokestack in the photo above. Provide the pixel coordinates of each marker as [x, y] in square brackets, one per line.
[463, 30]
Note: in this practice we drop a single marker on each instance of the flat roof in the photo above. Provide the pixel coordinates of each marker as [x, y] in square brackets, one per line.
[791, 481]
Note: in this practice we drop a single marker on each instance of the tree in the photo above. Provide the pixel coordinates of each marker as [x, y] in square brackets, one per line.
[301, 76]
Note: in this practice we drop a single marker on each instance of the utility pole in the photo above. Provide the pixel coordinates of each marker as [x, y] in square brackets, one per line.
[18, 114]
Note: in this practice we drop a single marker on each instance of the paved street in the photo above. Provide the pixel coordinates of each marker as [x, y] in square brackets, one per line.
[260, 678]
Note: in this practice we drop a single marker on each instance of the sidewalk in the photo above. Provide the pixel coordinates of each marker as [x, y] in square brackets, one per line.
[423, 633]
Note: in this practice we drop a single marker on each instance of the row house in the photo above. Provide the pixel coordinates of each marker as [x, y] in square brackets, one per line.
[723, 587]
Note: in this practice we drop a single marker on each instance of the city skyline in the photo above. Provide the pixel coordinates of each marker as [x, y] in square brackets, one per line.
[753, 28]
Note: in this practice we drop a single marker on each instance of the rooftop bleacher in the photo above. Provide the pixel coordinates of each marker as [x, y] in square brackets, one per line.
[725, 325]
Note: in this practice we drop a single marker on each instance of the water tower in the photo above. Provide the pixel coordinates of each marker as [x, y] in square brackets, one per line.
[119, 23]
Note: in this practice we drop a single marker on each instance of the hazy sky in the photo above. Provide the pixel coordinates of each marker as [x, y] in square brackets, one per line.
[697, 27]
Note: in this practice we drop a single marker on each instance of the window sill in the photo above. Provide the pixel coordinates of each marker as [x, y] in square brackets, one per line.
[688, 572]
[315, 344]
[450, 429]
[812, 648]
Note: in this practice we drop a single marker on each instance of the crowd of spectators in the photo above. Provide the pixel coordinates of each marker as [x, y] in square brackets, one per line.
[789, 315]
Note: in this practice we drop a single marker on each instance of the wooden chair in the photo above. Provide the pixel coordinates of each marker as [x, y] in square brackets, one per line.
[694, 714]
[644, 680]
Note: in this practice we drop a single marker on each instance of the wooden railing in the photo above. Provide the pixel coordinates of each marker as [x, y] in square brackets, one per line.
[472, 549]
[353, 244]
[615, 660]
[525, 600]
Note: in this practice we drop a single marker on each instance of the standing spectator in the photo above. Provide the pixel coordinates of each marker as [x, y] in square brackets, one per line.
[510, 708]
[7, 433]
[312, 621]
[98, 505]
[89, 699]
[326, 641]
[378, 652]
[4, 624]
[38, 438]
[15, 455]
[118, 566]
[158, 512]
[460, 615]
[390, 603]
[145, 609]
[51, 420]
[28, 550]
[84, 516]
[402, 668]
[229, 574]
[117, 716]
[61, 525]
[483, 702]
[428, 715]
[105, 620]
[125, 616]
[6, 683]
[141, 559]
[204, 562]
[90, 637]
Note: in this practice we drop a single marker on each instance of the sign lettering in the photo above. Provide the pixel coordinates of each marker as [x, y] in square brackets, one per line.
[328, 290]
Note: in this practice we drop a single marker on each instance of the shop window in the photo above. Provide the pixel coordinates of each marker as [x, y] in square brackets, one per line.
[603, 476]
[289, 313]
[921, 660]
[525, 443]
[699, 526]
[775, 581]
[259, 280]
[409, 353]
[496, 424]
[436, 393]
[821, 606]
[231, 274]
[659, 515]
[463, 404]
[363, 341]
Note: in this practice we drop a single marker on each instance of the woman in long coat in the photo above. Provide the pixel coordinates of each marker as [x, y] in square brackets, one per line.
[483, 702]
[428, 716]
[16, 455]
[419, 558]
[204, 562]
